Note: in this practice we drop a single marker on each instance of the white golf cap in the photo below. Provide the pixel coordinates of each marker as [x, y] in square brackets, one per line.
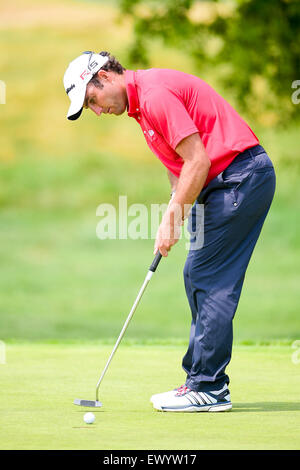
[78, 74]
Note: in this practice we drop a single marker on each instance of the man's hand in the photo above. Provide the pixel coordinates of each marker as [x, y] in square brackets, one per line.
[169, 231]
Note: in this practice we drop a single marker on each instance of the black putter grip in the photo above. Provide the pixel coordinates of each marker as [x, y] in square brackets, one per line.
[155, 262]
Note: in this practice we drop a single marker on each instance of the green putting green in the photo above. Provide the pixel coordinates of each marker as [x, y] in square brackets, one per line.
[40, 381]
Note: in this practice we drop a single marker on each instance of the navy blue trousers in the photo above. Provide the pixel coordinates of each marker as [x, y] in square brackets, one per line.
[236, 203]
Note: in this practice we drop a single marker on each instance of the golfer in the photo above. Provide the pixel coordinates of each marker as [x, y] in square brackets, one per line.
[214, 161]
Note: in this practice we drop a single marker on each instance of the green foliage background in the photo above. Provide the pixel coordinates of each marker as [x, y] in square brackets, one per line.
[252, 46]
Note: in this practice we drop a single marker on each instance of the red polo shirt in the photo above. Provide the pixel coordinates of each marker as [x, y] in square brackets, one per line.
[171, 105]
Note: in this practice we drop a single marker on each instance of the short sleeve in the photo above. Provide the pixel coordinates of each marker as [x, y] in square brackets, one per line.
[169, 116]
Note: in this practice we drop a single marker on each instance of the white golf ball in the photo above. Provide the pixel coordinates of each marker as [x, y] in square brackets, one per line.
[89, 418]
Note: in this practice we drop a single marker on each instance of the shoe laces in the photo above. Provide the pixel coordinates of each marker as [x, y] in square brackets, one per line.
[178, 389]
[182, 390]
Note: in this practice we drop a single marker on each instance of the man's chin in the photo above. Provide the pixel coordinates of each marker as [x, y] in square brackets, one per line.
[119, 112]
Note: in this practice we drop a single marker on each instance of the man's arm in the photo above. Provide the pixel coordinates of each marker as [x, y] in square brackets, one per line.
[173, 181]
[192, 178]
[194, 171]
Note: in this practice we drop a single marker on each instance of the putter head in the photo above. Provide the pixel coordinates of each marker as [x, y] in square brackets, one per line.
[90, 403]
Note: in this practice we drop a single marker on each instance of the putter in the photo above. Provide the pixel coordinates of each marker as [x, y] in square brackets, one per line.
[150, 273]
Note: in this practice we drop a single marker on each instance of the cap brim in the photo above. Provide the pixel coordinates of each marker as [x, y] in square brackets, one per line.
[75, 116]
[76, 105]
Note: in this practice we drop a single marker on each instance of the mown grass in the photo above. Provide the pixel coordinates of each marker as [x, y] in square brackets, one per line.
[39, 383]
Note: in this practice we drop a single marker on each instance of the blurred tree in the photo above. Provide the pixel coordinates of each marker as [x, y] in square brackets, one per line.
[253, 45]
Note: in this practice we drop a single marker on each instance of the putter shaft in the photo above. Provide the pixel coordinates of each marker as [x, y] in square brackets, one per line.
[150, 273]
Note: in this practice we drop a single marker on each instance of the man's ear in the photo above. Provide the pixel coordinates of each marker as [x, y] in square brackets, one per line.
[103, 75]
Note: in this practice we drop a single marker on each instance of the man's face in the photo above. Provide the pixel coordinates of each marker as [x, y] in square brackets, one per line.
[111, 99]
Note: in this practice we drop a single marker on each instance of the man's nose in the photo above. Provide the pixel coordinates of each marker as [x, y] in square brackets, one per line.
[97, 109]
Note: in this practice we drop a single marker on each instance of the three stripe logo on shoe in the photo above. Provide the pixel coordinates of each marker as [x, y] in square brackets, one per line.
[203, 399]
[207, 400]
[196, 398]
[199, 398]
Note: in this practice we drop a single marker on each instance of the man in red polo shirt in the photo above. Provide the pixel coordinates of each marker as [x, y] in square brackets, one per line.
[213, 159]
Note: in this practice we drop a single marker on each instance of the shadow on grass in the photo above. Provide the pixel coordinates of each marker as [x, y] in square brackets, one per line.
[266, 406]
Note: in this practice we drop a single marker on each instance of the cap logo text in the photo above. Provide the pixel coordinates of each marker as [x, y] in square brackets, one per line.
[84, 74]
[92, 65]
[70, 88]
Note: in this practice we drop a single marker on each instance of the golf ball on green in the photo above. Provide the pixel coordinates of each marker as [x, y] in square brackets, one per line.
[89, 418]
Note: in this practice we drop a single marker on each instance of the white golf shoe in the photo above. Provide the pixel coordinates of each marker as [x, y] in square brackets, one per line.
[190, 401]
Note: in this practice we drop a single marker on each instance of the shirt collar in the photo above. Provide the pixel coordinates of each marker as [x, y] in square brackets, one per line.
[133, 99]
